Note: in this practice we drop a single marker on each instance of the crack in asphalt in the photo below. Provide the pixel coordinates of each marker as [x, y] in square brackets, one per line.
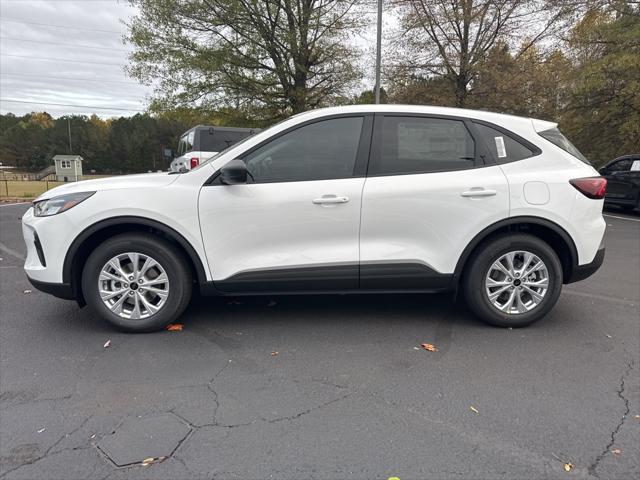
[48, 452]
[620, 392]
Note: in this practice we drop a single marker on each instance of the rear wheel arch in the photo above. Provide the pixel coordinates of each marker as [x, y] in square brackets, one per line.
[97, 233]
[552, 233]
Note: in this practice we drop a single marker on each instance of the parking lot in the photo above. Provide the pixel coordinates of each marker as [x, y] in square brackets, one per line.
[324, 387]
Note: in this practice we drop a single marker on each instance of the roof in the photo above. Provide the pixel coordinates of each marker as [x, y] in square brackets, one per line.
[68, 157]
[425, 109]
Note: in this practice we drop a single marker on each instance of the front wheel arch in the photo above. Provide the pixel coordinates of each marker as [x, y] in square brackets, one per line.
[97, 233]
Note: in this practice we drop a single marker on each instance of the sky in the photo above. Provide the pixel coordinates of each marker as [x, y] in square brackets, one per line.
[71, 53]
[66, 52]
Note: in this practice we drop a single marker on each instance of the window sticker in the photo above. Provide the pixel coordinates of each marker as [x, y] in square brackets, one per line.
[636, 166]
[502, 152]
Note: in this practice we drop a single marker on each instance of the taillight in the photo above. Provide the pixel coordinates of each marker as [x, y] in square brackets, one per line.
[591, 187]
[194, 162]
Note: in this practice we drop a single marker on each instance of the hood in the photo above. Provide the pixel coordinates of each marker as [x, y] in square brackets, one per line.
[144, 180]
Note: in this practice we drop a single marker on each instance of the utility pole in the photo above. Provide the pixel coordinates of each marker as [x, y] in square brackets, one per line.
[378, 52]
[69, 129]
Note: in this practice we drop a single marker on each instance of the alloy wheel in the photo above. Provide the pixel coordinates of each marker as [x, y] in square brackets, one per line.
[517, 282]
[133, 285]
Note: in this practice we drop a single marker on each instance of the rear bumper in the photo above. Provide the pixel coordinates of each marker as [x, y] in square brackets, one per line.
[60, 290]
[580, 272]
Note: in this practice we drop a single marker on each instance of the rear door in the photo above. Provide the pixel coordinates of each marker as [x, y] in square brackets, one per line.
[296, 225]
[428, 193]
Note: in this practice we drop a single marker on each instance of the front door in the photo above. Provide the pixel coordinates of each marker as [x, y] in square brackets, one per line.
[295, 225]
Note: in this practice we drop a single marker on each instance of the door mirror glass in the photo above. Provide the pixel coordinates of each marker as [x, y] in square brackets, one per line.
[234, 172]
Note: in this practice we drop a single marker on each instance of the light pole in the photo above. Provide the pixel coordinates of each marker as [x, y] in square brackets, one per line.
[378, 51]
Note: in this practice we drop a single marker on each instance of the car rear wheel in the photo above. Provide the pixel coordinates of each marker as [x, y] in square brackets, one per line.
[138, 282]
[513, 280]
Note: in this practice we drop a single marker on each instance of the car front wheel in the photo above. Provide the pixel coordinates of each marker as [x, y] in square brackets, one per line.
[513, 280]
[138, 282]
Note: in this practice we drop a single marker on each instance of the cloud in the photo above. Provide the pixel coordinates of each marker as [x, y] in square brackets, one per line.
[67, 52]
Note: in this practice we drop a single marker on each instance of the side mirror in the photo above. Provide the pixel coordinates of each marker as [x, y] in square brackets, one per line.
[603, 171]
[234, 172]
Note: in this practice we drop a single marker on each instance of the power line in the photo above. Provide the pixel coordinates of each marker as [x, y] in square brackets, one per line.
[59, 60]
[67, 78]
[9, 100]
[63, 44]
[66, 27]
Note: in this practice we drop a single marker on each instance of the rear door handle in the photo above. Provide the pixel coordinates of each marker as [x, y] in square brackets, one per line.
[478, 192]
[329, 199]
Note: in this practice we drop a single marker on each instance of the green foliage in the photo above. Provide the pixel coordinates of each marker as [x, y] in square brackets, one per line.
[121, 145]
[603, 112]
[268, 59]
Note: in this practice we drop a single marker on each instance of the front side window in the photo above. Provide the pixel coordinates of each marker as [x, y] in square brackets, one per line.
[504, 148]
[318, 151]
[559, 140]
[422, 145]
[621, 165]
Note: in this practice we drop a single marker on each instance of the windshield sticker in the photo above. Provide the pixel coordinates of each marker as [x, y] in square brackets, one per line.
[502, 152]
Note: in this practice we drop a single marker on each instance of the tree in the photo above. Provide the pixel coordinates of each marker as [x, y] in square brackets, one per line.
[603, 116]
[271, 57]
[450, 38]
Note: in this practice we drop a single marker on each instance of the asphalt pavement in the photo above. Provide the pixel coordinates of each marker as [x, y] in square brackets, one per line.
[324, 387]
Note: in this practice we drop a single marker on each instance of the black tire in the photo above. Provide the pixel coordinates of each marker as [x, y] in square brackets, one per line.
[169, 258]
[485, 255]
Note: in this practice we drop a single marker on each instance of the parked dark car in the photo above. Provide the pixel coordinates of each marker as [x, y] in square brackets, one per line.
[623, 181]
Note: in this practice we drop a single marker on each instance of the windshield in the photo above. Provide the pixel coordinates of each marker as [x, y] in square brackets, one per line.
[558, 139]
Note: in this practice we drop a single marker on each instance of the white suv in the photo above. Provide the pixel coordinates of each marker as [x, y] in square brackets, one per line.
[367, 198]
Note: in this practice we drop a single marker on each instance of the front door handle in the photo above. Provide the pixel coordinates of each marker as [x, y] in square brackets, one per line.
[329, 199]
[478, 192]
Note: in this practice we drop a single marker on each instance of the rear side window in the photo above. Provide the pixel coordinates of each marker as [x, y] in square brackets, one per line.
[558, 139]
[422, 145]
[219, 140]
[504, 148]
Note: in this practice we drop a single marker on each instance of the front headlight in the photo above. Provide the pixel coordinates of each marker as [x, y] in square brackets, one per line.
[55, 205]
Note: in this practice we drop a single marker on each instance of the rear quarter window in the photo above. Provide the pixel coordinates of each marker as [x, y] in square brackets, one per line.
[559, 140]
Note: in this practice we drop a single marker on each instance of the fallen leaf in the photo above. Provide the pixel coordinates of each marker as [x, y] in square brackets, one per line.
[175, 327]
[93, 436]
[568, 466]
[637, 417]
[107, 344]
[616, 451]
[394, 478]
[274, 353]
[42, 429]
[428, 346]
[26, 292]
[473, 409]
[608, 336]
[148, 461]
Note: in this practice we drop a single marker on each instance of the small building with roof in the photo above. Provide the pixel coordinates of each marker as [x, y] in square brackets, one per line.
[68, 168]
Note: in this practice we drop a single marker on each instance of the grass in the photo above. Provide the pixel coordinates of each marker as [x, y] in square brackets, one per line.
[29, 189]
[25, 189]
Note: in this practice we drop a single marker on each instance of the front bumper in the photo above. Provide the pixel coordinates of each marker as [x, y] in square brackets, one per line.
[60, 290]
[580, 272]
